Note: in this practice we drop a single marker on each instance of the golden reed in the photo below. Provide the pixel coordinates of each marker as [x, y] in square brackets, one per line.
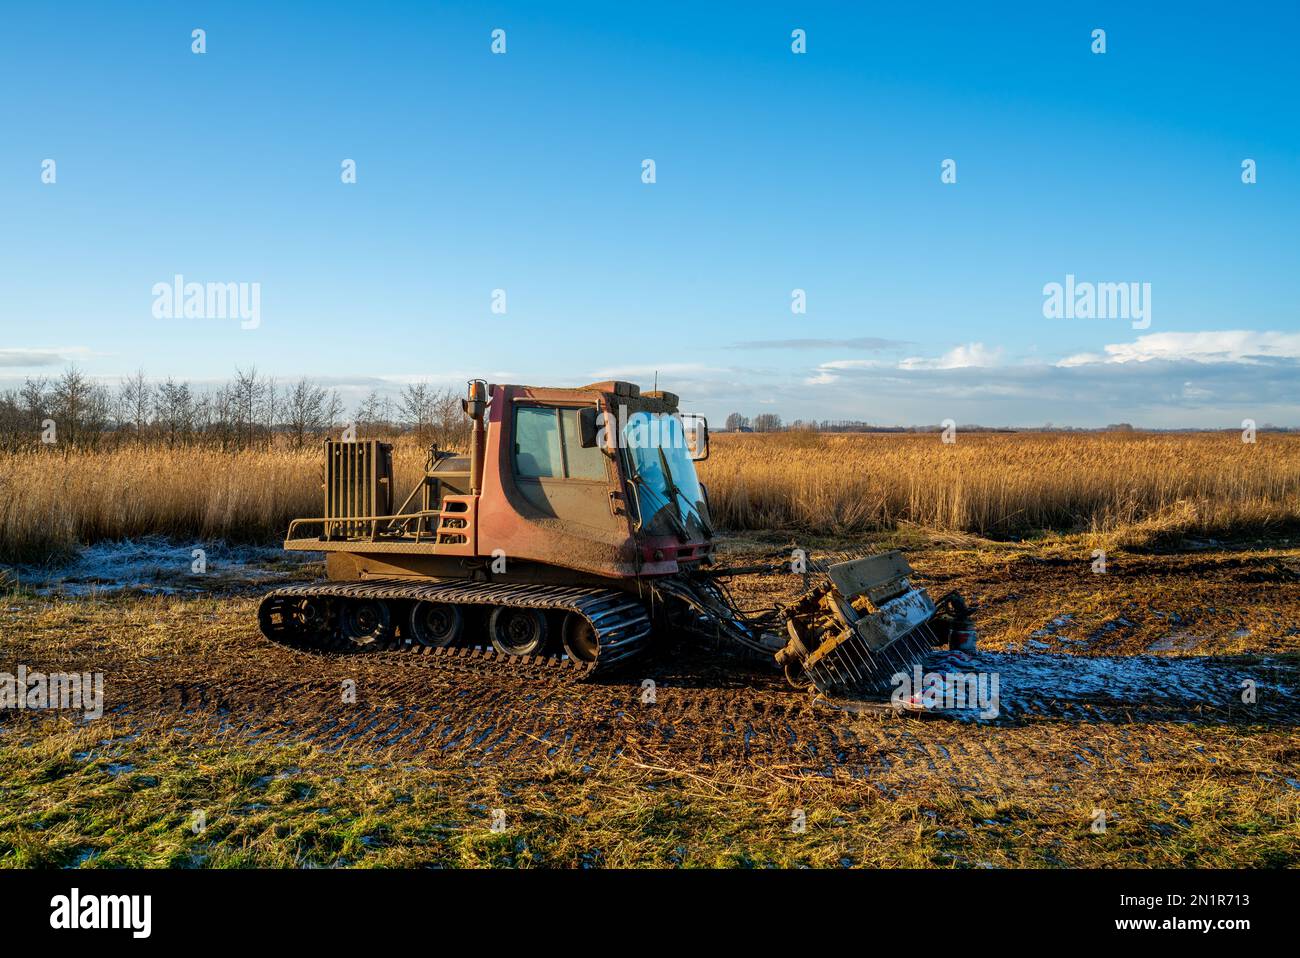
[985, 483]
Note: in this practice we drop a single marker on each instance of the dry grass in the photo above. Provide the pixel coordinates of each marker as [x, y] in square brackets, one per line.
[201, 716]
[50, 502]
[999, 483]
[991, 484]
[126, 796]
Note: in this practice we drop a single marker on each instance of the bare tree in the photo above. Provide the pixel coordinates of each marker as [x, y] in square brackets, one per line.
[309, 410]
[35, 400]
[370, 412]
[451, 425]
[205, 417]
[135, 397]
[246, 406]
[416, 406]
[270, 408]
[174, 411]
[14, 431]
[80, 408]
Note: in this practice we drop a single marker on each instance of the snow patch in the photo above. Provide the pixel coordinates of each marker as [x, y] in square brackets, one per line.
[158, 565]
[1055, 683]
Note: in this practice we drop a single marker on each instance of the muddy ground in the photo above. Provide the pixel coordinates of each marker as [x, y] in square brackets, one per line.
[1126, 693]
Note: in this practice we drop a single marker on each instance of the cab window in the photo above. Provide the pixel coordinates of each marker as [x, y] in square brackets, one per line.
[548, 446]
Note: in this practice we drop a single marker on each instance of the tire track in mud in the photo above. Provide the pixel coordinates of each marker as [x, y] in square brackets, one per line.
[410, 712]
[1078, 727]
[710, 710]
[404, 712]
[705, 731]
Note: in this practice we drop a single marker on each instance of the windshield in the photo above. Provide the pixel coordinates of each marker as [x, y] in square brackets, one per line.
[664, 473]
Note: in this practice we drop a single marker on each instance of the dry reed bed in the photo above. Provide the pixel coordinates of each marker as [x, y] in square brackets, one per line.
[51, 501]
[1000, 483]
[835, 484]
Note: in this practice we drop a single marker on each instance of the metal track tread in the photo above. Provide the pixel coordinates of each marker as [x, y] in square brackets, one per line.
[621, 623]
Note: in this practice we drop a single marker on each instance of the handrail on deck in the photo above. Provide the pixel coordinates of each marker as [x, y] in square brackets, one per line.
[402, 518]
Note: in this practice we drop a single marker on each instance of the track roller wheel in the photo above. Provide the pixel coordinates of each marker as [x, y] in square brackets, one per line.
[312, 615]
[580, 638]
[517, 631]
[436, 624]
[366, 622]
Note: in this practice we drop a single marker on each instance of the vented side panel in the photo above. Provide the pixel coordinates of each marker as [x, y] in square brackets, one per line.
[357, 486]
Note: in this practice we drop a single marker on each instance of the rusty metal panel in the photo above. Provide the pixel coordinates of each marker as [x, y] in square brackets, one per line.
[865, 575]
[357, 484]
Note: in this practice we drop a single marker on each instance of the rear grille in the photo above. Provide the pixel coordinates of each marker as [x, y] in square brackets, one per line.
[358, 487]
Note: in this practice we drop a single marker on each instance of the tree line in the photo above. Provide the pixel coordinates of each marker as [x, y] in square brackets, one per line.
[771, 422]
[248, 411]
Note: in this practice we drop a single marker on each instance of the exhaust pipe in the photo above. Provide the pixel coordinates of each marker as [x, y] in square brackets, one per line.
[475, 406]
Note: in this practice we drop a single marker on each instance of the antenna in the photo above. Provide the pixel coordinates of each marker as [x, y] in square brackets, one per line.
[656, 380]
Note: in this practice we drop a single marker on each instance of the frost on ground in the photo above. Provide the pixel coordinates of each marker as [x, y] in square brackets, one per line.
[1062, 685]
[157, 565]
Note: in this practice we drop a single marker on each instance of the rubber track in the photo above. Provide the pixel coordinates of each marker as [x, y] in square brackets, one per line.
[621, 622]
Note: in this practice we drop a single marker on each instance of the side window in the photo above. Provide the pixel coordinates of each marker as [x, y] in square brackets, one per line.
[581, 463]
[548, 446]
[537, 443]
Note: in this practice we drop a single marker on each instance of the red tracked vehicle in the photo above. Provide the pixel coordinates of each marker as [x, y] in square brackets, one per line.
[573, 531]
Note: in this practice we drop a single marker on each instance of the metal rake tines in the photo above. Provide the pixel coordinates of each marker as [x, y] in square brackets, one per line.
[853, 665]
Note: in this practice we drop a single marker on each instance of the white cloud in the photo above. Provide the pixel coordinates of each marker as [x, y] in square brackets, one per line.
[1162, 379]
[20, 358]
[1226, 346]
[960, 357]
[970, 355]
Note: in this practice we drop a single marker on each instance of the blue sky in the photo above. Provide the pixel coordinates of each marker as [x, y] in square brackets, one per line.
[775, 172]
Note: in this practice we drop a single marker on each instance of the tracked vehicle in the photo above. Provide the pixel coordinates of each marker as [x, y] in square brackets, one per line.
[574, 531]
